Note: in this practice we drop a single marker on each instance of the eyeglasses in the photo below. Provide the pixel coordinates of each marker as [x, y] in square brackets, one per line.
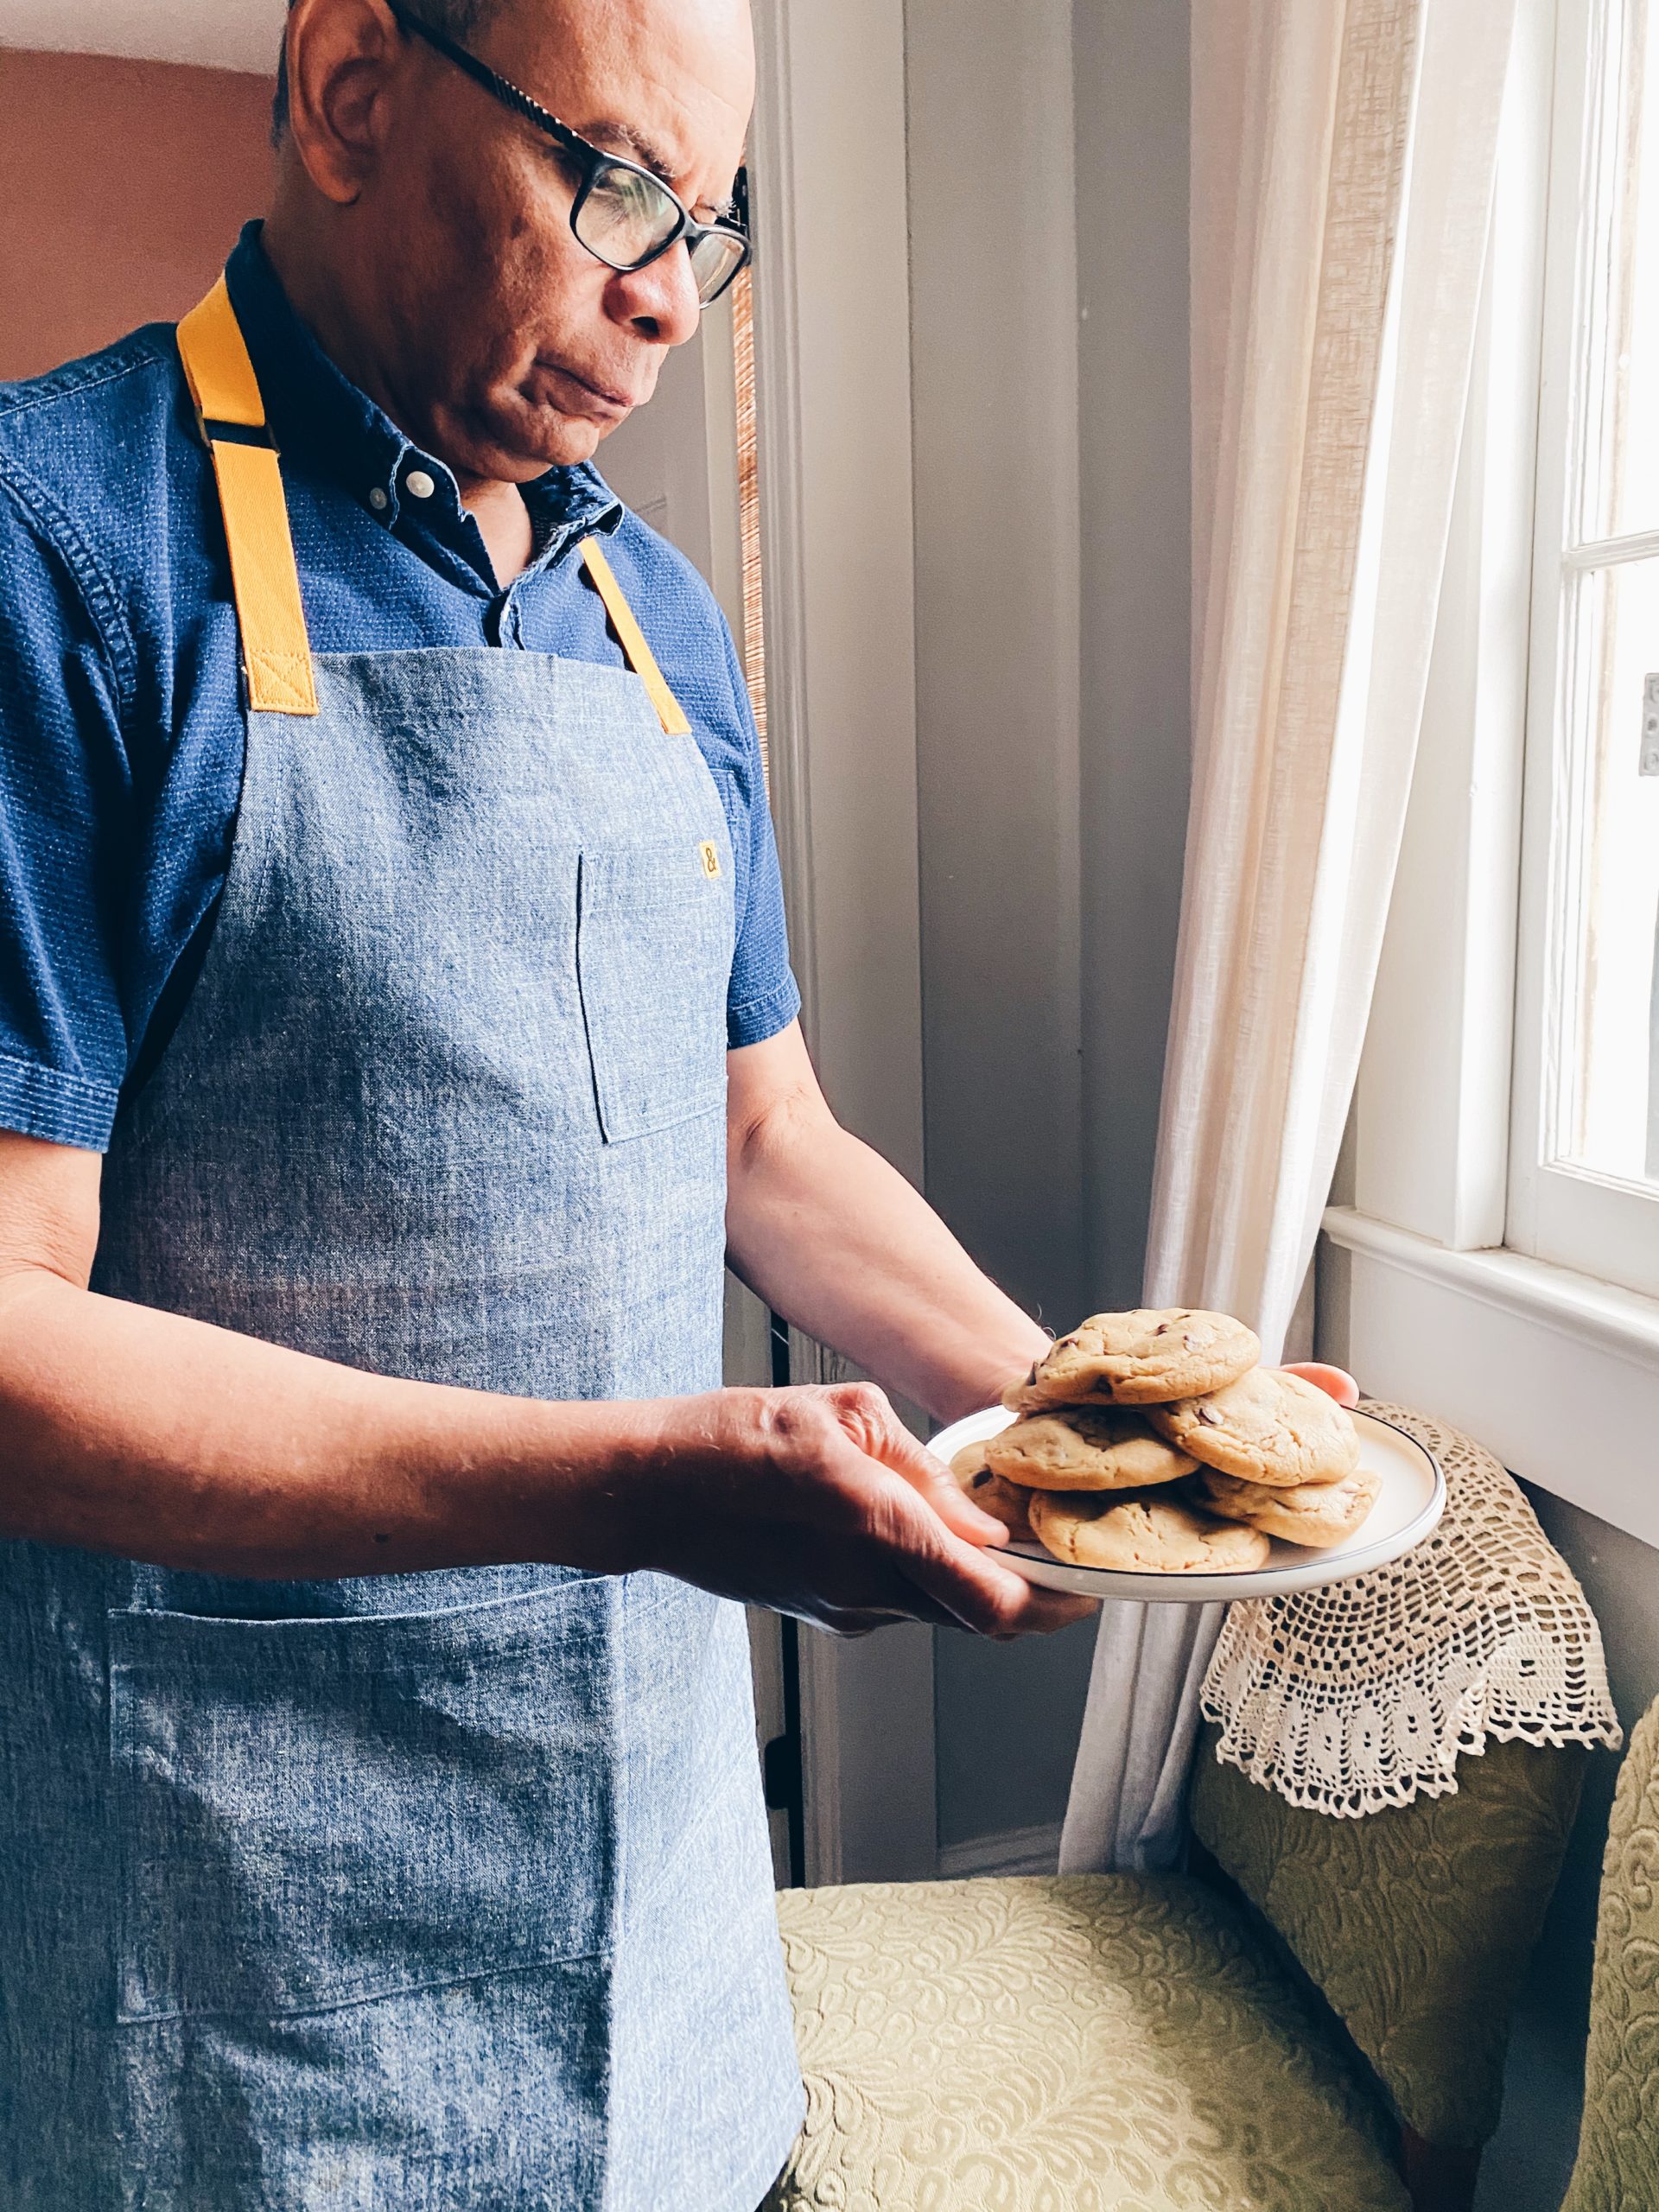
[625, 215]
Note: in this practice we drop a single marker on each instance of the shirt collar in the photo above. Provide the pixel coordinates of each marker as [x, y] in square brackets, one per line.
[315, 409]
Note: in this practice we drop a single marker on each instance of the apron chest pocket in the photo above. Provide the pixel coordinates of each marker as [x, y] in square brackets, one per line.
[653, 958]
[318, 1811]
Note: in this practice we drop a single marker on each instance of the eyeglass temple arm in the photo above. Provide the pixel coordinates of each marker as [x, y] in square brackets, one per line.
[503, 89]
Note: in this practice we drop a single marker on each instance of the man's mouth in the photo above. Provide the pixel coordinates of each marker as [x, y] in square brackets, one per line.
[604, 403]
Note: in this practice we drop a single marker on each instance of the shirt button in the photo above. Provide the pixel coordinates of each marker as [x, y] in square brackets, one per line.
[419, 484]
[379, 499]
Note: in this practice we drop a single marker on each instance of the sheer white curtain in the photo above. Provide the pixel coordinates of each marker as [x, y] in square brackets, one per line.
[1342, 160]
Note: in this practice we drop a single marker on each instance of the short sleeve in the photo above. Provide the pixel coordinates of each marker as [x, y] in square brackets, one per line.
[764, 997]
[65, 806]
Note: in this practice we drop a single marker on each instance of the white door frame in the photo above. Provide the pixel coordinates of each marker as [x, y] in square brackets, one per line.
[833, 398]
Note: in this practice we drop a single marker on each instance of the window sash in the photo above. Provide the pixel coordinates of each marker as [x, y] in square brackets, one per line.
[1560, 1208]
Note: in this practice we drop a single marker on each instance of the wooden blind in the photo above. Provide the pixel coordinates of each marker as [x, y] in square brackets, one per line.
[753, 642]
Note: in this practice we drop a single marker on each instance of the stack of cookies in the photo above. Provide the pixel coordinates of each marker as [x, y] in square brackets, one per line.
[1155, 1443]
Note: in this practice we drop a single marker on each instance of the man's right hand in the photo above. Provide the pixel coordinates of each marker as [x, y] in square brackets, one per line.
[818, 1502]
[145, 1433]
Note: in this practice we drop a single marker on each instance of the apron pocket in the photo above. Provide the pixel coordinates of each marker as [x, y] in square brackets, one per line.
[653, 961]
[317, 1811]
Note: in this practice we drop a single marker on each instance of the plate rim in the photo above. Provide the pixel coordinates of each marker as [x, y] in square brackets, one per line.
[1316, 1571]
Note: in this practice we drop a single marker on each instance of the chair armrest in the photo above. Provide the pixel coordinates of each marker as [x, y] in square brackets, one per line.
[1416, 1922]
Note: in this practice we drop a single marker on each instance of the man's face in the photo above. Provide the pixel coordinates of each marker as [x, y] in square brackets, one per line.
[508, 347]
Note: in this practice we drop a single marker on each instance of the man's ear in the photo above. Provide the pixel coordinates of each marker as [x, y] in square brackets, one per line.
[341, 57]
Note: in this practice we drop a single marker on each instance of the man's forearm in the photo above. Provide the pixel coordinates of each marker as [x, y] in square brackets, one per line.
[159, 1438]
[831, 1234]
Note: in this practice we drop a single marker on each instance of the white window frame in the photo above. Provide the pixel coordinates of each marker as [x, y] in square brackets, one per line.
[1605, 1225]
[1423, 1290]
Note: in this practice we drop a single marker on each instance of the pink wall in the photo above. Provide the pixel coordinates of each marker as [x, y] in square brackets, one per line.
[123, 185]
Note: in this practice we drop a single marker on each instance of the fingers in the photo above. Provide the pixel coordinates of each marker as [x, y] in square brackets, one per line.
[1009, 1608]
[1056, 1609]
[914, 1609]
[969, 1582]
[899, 1603]
[929, 1521]
[871, 1422]
[959, 1586]
[847, 1621]
[1336, 1381]
[955, 1508]
[1046, 1611]
[931, 1553]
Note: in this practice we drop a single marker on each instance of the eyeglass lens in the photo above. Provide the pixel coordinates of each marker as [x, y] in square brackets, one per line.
[626, 217]
[715, 261]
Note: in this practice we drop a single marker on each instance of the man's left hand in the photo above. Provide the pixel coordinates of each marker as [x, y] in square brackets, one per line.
[1336, 1380]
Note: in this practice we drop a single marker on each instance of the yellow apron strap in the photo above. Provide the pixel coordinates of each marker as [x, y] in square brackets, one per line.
[264, 576]
[631, 639]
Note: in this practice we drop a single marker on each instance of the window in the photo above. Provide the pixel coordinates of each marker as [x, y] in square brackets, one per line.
[1585, 1150]
[1494, 1253]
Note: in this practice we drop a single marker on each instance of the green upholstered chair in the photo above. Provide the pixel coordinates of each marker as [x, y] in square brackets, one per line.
[1320, 2011]
[1618, 2168]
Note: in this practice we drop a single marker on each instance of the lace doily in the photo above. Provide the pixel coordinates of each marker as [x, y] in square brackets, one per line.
[1363, 1695]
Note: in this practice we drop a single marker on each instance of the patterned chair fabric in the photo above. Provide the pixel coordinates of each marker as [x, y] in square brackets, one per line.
[1094, 2043]
[1416, 1923]
[1618, 2168]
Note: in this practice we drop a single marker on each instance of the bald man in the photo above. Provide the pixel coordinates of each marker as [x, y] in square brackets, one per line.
[396, 1036]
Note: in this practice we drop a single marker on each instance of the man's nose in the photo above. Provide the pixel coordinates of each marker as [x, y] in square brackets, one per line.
[661, 299]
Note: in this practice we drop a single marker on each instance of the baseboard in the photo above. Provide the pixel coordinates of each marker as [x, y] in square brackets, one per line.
[1015, 1851]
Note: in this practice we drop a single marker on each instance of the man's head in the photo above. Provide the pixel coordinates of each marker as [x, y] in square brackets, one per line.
[424, 228]
[460, 19]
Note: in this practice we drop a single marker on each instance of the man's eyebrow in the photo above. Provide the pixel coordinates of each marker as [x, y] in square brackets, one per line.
[625, 138]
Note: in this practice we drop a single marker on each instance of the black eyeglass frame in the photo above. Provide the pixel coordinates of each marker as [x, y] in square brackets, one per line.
[590, 159]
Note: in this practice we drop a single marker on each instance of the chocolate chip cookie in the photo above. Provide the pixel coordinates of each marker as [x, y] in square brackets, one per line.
[1085, 1447]
[1143, 1535]
[1313, 1513]
[1149, 1357]
[1267, 1427]
[991, 1494]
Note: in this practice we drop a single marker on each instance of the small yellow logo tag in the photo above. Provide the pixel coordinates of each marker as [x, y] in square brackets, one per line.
[709, 853]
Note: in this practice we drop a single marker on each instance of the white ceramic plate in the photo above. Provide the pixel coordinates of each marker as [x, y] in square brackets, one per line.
[1412, 1501]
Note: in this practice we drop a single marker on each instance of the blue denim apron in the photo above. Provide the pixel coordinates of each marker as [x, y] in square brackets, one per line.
[445, 1889]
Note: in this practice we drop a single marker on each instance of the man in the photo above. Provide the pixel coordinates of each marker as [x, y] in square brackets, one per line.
[392, 965]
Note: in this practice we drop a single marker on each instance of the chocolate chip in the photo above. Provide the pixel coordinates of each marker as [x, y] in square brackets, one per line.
[982, 1478]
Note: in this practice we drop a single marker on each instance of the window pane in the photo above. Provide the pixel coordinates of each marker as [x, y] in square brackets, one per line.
[1608, 1040]
[1622, 288]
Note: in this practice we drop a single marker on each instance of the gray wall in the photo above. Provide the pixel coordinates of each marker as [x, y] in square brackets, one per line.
[1051, 507]
[1051, 634]
[658, 460]
[1132, 164]
[994, 379]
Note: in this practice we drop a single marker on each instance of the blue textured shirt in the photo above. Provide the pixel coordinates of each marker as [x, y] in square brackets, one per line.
[122, 726]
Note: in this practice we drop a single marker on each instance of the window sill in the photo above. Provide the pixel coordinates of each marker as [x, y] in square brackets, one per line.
[1556, 1372]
